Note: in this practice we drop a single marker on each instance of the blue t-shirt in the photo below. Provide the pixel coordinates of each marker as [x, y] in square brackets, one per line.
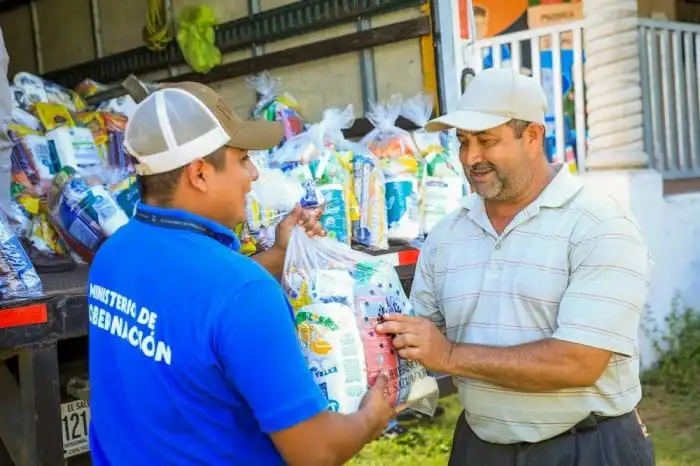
[193, 353]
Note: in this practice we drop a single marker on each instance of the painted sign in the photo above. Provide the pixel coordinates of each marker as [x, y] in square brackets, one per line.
[492, 17]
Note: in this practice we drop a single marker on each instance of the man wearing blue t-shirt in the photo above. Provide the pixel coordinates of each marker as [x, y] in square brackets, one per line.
[193, 353]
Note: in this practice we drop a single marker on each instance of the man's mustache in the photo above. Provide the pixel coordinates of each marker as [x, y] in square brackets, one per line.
[480, 167]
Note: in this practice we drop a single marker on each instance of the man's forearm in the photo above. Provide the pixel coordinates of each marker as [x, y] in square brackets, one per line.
[539, 366]
[272, 260]
[327, 439]
[349, 434]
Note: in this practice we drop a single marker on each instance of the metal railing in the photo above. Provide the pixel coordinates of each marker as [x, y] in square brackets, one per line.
[545, 53]
[670, 67]
[670, 72]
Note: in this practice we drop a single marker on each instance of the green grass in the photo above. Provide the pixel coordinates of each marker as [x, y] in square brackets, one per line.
[427, 444]
[673, 421]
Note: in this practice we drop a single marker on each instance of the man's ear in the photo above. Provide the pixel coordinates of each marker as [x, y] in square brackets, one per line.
[534, 134]
[198, 173]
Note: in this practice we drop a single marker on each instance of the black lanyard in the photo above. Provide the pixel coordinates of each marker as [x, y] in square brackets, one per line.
[171, 221]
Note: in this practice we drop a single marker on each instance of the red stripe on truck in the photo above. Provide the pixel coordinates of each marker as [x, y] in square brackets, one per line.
[408, 257]
[25, 315]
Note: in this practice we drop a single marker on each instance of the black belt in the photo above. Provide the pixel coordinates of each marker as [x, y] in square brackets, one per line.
[590, 422]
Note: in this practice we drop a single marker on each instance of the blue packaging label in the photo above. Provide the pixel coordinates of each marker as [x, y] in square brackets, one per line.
[79, 225]
[335, 214]
[18, 278]
[400, 199]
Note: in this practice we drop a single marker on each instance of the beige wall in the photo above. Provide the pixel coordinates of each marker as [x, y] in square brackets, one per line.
[19, 40]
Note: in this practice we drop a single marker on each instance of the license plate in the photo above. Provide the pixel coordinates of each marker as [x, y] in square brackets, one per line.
[75, 417]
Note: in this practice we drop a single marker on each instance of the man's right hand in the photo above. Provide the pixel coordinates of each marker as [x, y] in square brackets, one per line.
[331, 439]
[377, 407]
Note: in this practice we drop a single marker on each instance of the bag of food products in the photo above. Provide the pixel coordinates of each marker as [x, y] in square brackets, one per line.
[326, 175]
[31, 89]
[369, 220]
[83, 212]
[402, 166]
[274, 105]
[272, 197]
[338, 296]
[18, 277]
[443, 178]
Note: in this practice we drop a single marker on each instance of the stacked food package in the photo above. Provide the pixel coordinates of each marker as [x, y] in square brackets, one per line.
[402, 165]
[275, 105]
[392, 185]
[442, 179]
[71, 183]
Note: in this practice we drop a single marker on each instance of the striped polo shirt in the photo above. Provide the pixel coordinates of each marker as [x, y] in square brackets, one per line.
[571, 266]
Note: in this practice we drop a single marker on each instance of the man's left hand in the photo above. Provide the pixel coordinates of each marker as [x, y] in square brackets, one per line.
[418, 339]
[307, 219]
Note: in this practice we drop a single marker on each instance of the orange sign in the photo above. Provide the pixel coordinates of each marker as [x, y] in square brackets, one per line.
[492, 17]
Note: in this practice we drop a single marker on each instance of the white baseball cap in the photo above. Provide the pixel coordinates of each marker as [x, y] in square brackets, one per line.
[182, 122]
[492, 98]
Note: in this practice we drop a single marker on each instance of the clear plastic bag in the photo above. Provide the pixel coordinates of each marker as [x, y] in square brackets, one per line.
[83, 212]
[274, 105]
[272, 197]
[36, 89]
[338, 296]
[402, 166]
[369, 222]
[326, 174]
[18, 277]
[443, 178]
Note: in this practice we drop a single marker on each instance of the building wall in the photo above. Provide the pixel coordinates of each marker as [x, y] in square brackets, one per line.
[66, 37]
[671, 227]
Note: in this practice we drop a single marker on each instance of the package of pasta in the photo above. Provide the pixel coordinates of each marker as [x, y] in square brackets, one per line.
[117, 157]
[367, 199]
[402, 166]
[53, 116]
[18, 277]
[339, 295]
[34, 160]
[443, 179]
[275, 105]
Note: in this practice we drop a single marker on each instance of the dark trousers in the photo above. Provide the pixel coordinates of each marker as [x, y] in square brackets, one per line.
[619, 441]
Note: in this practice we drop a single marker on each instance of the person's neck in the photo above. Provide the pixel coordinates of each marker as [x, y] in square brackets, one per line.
[504, 211]
[184, 205]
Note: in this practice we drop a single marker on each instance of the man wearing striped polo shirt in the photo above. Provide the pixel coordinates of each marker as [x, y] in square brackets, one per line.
[530, 295]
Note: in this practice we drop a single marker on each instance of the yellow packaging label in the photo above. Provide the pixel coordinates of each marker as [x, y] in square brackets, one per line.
[96, 123]
[31, 203]
[53, 115]
[48, 234]
[21, 130]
